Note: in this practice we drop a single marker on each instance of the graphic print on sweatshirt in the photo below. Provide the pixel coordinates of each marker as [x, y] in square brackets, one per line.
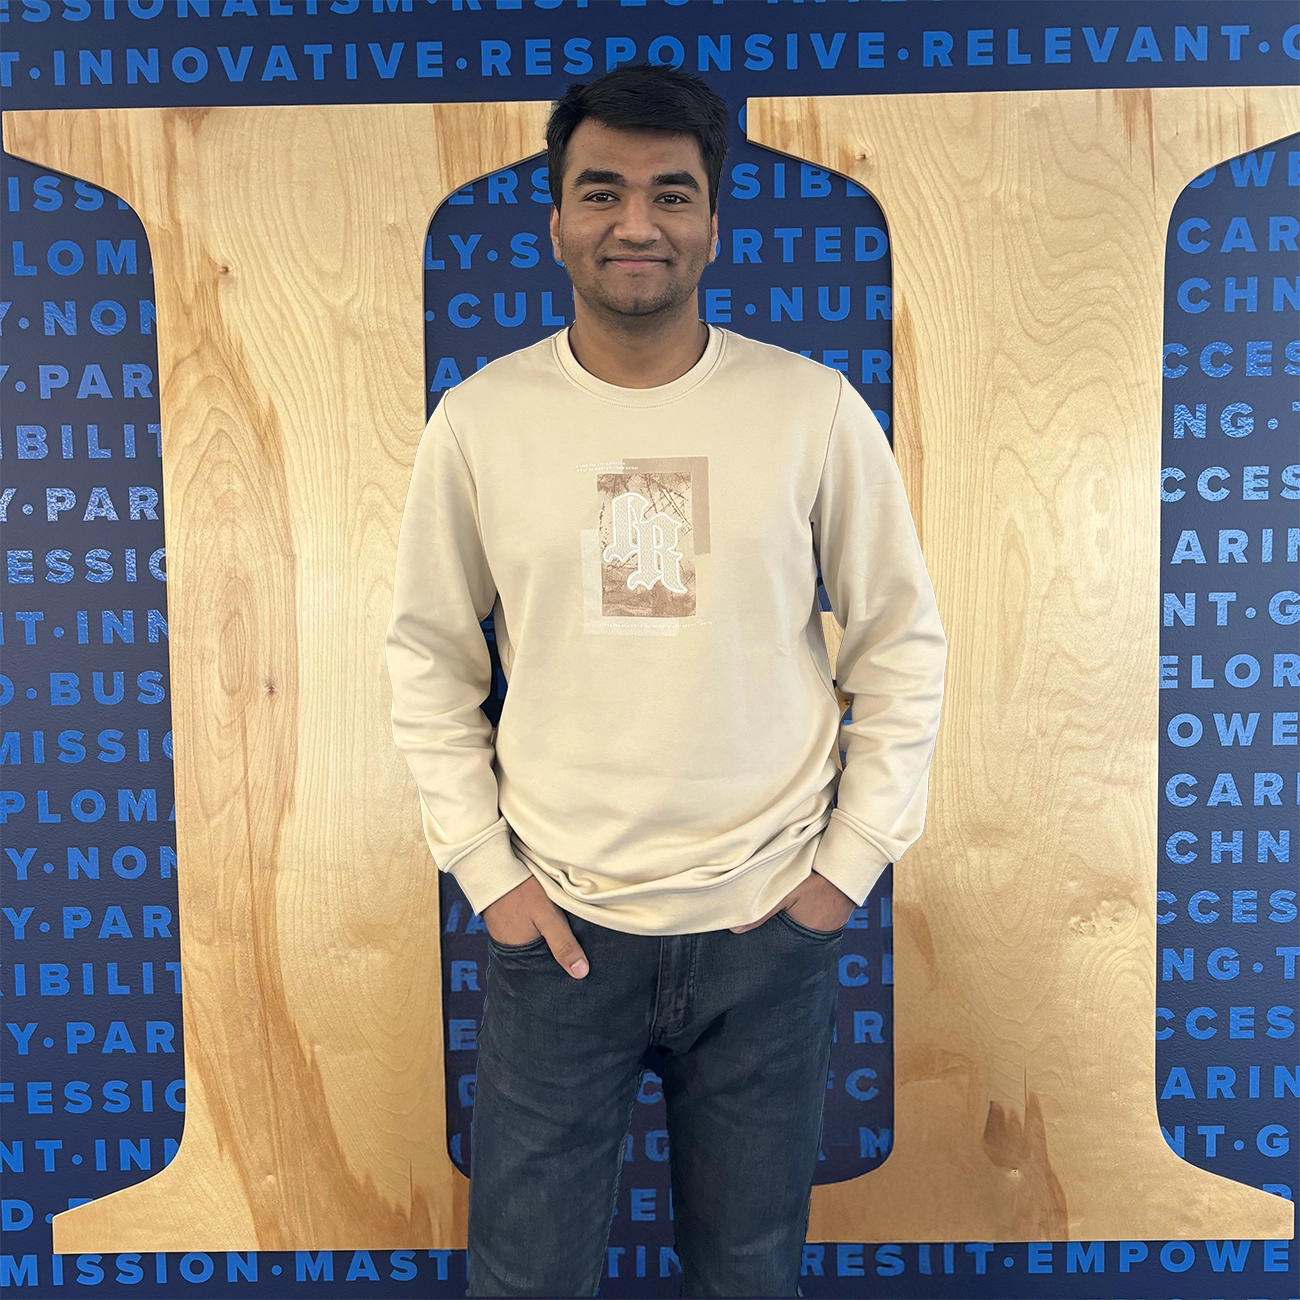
[639, 562]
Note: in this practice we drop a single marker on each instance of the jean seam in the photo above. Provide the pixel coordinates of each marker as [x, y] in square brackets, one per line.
[618, 1178]
[659, 992]
[807, 1213]
[691, 970]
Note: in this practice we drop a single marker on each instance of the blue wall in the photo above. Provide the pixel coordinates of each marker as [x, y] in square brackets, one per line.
[93, 1082]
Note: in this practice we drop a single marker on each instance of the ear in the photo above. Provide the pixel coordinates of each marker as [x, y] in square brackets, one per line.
[713, 236]
[555, 234]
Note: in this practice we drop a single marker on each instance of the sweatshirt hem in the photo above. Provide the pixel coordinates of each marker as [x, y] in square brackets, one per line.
[738, 899]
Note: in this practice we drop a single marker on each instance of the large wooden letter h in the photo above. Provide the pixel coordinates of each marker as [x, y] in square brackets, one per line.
[1028, 234]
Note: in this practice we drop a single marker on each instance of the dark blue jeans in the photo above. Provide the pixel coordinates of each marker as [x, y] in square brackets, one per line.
[739, 1027]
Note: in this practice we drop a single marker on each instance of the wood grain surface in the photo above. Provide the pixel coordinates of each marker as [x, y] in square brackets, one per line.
[1028, 235]
[288, 262]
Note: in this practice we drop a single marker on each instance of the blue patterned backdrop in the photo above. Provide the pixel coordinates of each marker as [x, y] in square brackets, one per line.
[92, 1093]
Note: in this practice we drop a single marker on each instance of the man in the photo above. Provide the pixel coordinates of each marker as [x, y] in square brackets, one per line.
[641, 501]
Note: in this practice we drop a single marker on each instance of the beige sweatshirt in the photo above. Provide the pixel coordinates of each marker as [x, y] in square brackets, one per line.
[669, 746]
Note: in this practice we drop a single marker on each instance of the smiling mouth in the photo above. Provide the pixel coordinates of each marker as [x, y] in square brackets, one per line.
[633, 262]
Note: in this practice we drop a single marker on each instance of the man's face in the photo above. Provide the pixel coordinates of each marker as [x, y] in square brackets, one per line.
[634, 230]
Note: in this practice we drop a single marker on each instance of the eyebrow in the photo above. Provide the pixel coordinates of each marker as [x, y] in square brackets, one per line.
[601, 176]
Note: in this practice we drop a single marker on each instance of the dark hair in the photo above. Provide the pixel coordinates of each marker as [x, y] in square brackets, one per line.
[642, 96]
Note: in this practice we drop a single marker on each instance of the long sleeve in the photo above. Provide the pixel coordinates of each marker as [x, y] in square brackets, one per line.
[891, 661]
[441, 672]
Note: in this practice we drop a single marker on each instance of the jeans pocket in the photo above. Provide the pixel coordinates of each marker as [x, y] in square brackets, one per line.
[806, 930]
[496, 945]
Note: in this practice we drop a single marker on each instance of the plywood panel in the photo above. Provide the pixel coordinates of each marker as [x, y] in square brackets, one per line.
[1028, 233]
[288, 255]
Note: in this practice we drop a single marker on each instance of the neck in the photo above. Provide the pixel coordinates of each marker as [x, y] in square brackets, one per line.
[637, 352]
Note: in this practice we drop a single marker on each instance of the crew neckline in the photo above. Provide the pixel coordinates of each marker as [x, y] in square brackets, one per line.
[655, 396]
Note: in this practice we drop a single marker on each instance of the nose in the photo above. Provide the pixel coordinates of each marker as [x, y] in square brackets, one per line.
[637, 223]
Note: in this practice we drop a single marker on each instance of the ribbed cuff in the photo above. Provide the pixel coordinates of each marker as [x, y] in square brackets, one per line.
[848, 861]
[489, 870]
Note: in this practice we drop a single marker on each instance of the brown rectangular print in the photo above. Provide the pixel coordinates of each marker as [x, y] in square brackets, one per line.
[653, 522]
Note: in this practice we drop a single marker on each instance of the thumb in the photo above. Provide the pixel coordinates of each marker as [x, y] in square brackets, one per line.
[559, 938]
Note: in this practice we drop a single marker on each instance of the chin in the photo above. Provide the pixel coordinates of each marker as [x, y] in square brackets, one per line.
[642, 308]
[638, 306]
